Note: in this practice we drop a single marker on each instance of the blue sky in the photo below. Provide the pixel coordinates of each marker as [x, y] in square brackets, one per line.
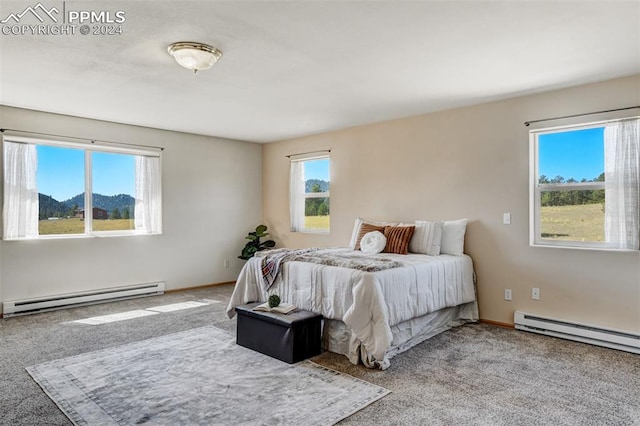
[575, 154]
[317, 169]
[61, 173]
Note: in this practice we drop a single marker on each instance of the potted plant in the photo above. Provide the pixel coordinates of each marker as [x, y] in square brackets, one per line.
[254, 245]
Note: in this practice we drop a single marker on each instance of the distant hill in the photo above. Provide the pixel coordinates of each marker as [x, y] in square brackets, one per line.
[50, 207]
[107, 202]
[324, 185]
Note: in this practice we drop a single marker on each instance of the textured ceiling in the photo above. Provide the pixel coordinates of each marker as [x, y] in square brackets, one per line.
[293, 68]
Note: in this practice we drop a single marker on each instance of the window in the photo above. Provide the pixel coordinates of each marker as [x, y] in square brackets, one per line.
[113, 191]
[585, 185]
[62, 189]
[309, 193]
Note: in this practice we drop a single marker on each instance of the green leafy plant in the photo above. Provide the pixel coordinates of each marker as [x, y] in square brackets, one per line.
[254, 245]
[274, 300]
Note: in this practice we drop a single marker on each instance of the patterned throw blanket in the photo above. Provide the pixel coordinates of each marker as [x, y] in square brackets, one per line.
[272, 259]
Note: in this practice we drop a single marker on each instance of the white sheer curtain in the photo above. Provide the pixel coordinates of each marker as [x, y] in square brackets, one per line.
[148, 210]
[296, 196]
[20, 209]
[622, 184]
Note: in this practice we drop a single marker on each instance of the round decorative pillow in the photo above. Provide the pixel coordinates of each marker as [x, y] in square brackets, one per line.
[373, 242]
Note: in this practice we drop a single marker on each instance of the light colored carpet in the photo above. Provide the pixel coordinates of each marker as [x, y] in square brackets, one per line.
[477, 374]
[198, 376]
[480, 374]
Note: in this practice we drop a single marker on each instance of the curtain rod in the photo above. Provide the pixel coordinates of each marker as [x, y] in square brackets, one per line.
[81, 139]
[526, 123]
[310, 152]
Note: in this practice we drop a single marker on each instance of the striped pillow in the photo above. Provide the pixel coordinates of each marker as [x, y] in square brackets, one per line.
[398, 238]
[365, 228]
[356, 229]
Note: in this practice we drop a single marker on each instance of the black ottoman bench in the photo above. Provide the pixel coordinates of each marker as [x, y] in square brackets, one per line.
[290, 338]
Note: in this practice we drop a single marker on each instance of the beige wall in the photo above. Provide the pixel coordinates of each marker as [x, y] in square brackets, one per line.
[211, 199]
[470, 162]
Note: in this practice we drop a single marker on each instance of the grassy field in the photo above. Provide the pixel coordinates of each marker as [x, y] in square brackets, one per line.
[569, 223]
[316, 222]
[573, 223]
[76, 226]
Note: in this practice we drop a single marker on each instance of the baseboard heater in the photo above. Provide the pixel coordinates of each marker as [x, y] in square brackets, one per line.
[615, 339]
[62, 301]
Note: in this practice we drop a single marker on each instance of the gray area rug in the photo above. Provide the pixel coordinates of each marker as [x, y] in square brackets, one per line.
[198, 376]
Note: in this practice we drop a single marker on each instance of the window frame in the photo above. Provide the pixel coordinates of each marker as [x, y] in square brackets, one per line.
[88, 149]
[536, 189]
[310, 195]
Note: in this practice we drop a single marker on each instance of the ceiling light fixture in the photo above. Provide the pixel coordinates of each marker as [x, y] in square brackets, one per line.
[194, 56]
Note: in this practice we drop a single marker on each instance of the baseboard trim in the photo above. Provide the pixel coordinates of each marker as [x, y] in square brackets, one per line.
[498, 324]
[199, 287]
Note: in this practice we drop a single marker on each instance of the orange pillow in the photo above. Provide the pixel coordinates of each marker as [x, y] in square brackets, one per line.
[365, 228]
[398, 238]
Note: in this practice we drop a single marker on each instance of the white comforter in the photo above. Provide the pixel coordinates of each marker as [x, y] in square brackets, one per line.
[368, 302]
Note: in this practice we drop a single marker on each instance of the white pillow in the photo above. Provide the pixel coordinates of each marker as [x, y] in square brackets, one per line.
[453, 236]
[373, 242]
[356, 229]
[427, 238]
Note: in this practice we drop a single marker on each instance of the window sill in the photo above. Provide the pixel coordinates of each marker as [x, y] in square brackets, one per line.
[109, 234]
[605, 249]
[82, 236]
[51, 237]
[313, 231]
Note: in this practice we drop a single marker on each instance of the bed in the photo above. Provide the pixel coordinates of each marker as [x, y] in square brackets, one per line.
[371, 315]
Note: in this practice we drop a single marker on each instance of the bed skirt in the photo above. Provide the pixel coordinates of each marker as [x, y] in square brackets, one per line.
[338, 338]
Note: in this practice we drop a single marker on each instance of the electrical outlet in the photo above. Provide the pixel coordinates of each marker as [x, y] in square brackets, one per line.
[226, 263]
[535, 293]
[506, 218]
[507, 294]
